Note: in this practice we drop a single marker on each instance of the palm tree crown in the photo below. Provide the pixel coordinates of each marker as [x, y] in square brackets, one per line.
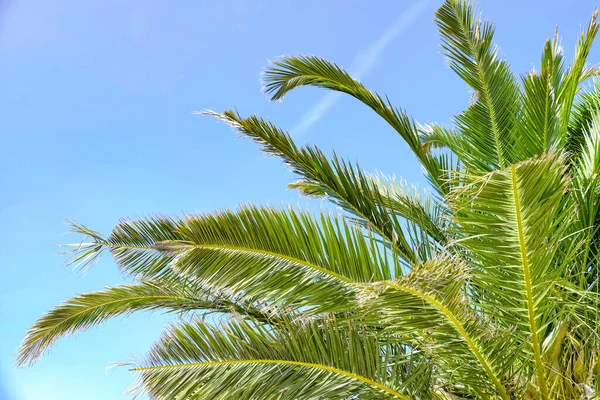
[486, 288]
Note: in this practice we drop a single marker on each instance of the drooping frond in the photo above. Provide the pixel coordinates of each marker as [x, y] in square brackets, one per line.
[321, 359]
[344, 183]
[487, 123]
[90, 309]
[430, 307]
[511, 222]
[289, 73]
[285, 256]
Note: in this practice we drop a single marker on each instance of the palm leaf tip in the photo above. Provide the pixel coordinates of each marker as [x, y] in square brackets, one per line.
[89, 309]
[87, 252]
[290, 72]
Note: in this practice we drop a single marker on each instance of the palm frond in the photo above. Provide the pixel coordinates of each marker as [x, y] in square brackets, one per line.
[436, 136]
[540, 126]
[305, 359]
[429, 306]
[578, 71]
[284, 256]
[138, 246]
[589, 160]
[257, 252]
[289, 73]
[344, 183]
[584, 111]
[586, 195]
[399, 200]
[409, 204]
[511, 222]
[90, 309]
[487, 124]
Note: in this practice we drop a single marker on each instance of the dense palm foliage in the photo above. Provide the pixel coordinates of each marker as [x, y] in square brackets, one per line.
[485, 288]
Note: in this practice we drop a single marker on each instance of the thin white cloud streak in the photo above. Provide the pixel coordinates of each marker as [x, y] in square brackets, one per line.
[362, 64]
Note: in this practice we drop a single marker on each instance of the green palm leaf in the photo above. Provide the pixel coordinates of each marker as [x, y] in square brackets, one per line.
[584, 111]
[578, 71]
[586, 196]
[135, 245]
[289, 73]
[540, 127]
[90, 309]
[429, 306]
[487, 124]
[512, 223]
[287, 256]
[303, 359]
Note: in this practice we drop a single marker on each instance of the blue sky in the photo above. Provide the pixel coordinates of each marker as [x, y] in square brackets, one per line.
[96, 102]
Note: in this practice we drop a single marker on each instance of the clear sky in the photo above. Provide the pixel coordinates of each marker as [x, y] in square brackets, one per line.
[96, 102]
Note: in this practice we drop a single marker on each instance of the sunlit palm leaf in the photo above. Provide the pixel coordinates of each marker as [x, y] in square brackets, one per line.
[289, 73]
[90, 309]
[346, 184]
[283, 255]
[429, 305]
[540, 127]
[486, 126]
[303, 359]
[578, 71]
[512, 222]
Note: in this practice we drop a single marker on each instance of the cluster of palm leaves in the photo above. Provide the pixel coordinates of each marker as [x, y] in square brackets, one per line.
[487, 287]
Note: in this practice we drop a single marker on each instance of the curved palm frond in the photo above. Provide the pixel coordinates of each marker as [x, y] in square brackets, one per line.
[547, 121]
[135, 245]
[90, 309]
[583, 112]
[419, 211]
[345, 184]
[578, 71]
[284, 256]
[289, 73]
[586, 195]
[303, 359]
[436, 136]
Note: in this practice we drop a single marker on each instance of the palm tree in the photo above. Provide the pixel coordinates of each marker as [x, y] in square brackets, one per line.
[485, 288]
